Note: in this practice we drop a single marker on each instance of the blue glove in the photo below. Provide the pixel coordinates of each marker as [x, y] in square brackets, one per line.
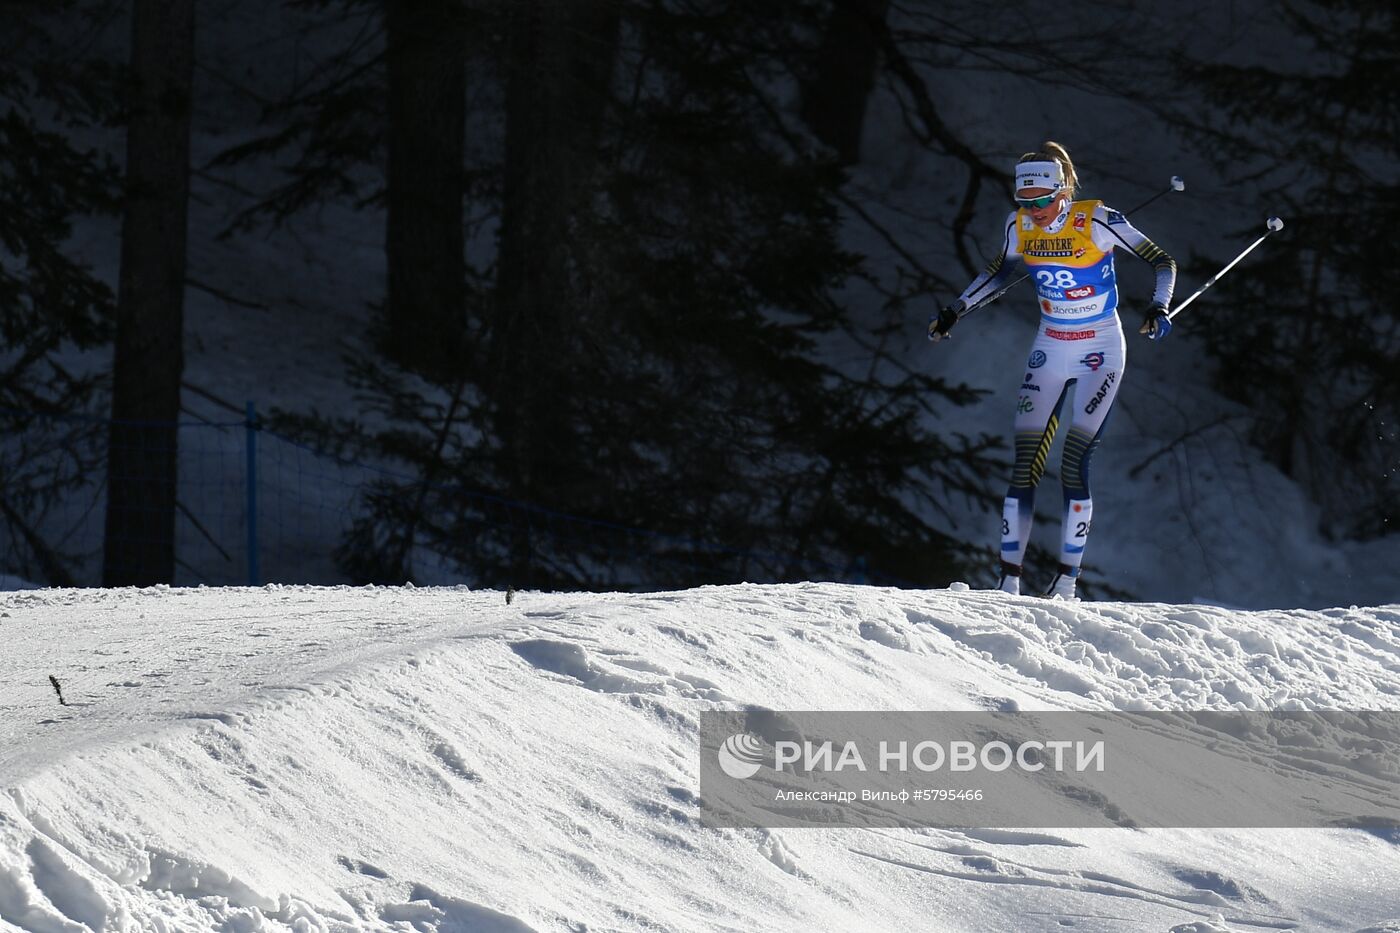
[1156, 324]
[939, 326]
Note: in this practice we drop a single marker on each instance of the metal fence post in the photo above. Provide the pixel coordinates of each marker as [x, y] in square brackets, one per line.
[250, 431]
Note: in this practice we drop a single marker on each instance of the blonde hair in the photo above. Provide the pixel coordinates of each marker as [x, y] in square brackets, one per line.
[1051, 151]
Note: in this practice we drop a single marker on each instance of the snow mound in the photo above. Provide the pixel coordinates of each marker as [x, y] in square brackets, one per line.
[337, 759]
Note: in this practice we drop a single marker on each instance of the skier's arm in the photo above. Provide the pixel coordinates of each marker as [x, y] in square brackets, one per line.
[998, 271]
[1112, 230]
[992, 279]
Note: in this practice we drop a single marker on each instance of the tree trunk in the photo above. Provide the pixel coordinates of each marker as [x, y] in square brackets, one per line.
[148, 359]
[560, 62]
[833, 104]
[426, 322]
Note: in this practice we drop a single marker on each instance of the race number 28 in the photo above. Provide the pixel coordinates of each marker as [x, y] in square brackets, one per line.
[1061, 278]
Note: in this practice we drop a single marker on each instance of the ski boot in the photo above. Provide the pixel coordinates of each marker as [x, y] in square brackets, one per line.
[1063, 584]
[1010, 581]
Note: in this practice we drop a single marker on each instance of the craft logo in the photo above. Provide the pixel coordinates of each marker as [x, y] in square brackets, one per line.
[1083, 291]
[1108, 381]
[1037, 359]
[1080, 218]
[1093, 361]
[1070, 335]
[741, 756]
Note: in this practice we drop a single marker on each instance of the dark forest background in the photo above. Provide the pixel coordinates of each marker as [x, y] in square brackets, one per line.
[619, 281]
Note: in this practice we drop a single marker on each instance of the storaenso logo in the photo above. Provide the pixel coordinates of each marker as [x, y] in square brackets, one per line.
[1097, 400]
[741, 756]
[1076, 310]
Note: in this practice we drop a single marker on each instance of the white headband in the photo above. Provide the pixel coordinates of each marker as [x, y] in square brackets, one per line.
[1039, 175]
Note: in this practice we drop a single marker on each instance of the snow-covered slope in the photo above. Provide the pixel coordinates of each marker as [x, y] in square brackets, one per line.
[437, 759]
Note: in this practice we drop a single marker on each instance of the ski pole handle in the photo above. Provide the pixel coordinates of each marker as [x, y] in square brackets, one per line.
[1274, 224]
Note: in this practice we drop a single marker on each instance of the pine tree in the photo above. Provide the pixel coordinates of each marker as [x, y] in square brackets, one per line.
[425, 319]
[666, 312]
[148, 359]
[1309, 337]
[49, 301]
[834, 98]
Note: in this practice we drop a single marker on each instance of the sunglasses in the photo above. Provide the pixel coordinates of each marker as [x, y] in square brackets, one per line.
[1037, 203]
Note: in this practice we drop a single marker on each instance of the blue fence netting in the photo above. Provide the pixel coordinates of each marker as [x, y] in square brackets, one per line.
[254, 506]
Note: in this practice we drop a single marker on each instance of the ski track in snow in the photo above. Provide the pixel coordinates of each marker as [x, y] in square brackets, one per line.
[338, 759]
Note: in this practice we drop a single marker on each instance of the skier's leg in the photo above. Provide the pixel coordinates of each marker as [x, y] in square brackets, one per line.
[1037, 420]
[1093, 402]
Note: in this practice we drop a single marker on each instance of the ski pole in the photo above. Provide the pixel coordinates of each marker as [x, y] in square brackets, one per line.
[1274, 224]
[1177, 184]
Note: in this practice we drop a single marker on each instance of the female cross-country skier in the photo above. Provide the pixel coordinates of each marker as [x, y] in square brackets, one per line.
[1068, 246]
